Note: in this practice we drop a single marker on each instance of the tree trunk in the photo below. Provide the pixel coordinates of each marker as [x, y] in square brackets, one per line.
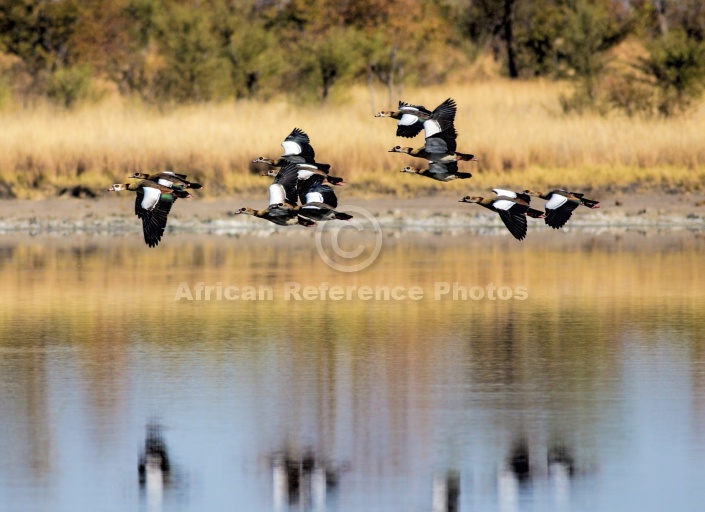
[508, 22]
[370, 86]
[390, 78]
[661, 7]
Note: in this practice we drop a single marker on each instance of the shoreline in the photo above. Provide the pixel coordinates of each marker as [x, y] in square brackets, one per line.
[435, 213]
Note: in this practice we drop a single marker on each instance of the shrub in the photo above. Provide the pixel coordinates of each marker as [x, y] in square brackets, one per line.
[676, 68]
[68, 86]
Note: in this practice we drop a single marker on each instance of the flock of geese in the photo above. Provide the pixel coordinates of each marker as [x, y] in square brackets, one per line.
[298, 178]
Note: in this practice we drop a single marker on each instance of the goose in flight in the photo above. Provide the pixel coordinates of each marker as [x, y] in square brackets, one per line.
[439, 171]
[511, 210]
[412, 118]
[283, 200]
[297, 150]
[152, 204]
[560, 205]
[168, 179]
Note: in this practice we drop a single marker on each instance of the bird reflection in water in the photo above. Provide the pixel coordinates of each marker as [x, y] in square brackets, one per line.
[302, 480]
[446, 492]
[154, 466]
[561, 469]
[515, 474]
[518, 474]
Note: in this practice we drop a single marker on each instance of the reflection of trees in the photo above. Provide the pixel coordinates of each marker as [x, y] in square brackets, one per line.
[395, 375]
[26, 435]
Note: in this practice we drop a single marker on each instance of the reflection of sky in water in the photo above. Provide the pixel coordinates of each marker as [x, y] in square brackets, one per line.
[397, 397]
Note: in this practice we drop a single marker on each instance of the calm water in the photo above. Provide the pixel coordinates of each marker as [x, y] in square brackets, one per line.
[583, 391]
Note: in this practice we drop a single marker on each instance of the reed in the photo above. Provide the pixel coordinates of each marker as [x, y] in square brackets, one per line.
[516, 129]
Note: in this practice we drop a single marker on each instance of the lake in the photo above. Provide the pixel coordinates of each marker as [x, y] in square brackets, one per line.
[458, 371]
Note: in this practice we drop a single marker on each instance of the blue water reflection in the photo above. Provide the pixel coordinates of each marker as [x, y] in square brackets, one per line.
[583, 404]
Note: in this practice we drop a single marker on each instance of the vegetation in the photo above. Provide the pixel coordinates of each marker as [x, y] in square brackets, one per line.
[557, 91]
[517, 130]
[175, 51]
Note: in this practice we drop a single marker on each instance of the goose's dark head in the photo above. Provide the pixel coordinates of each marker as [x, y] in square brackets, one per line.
[399, 149]
[384, 113]
[532, 193]
[470, 199]
[139, 175]
[410, 169]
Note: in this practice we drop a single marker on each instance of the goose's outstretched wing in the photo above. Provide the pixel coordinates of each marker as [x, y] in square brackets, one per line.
[298, 143]
[515, 222]
[442, 119]
[284, 188]
[153, 208]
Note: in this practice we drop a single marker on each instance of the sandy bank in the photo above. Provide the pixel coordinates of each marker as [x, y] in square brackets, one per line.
[215, 216]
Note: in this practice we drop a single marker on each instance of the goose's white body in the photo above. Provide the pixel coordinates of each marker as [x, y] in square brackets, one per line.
[314, 197]
[151, 198]
[431, 127]
[408, 119]
[164, 182]
[503, 204]
[555, 201]
[291, 148]
[505, 193]
[277, 194]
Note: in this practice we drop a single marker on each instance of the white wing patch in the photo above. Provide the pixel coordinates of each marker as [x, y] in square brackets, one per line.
[503, 204]
[164, 182]
[407, 120]
[276, 194]
[151, 198]
[431, 127]
[304, 175]
[291, 148]
[555, 202]
[505, 193]
[314, 197]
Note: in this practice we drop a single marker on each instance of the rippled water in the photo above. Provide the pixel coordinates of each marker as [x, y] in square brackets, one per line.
[584, 390]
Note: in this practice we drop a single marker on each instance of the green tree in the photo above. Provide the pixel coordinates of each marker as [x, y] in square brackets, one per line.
[538, 28]
[193, 67]
[39, 33]
[330, 60]
[590, 31]
[69, 85]
[676, 68]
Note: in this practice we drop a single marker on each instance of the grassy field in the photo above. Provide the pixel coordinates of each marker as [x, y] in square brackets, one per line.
[516, 129]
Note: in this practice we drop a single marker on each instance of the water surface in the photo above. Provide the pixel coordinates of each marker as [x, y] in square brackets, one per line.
[585, 391]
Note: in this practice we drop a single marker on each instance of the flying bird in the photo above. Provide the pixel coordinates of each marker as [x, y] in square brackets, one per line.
[152, 204]
[560, 205]
[512, 211]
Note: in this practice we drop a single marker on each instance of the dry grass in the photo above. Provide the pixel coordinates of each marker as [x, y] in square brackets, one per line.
[517, 130]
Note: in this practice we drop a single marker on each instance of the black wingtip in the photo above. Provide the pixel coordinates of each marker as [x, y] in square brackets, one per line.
[334, 180]
[410, 131]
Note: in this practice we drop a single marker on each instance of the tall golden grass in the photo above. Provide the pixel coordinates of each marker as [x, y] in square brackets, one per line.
[516, 129]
